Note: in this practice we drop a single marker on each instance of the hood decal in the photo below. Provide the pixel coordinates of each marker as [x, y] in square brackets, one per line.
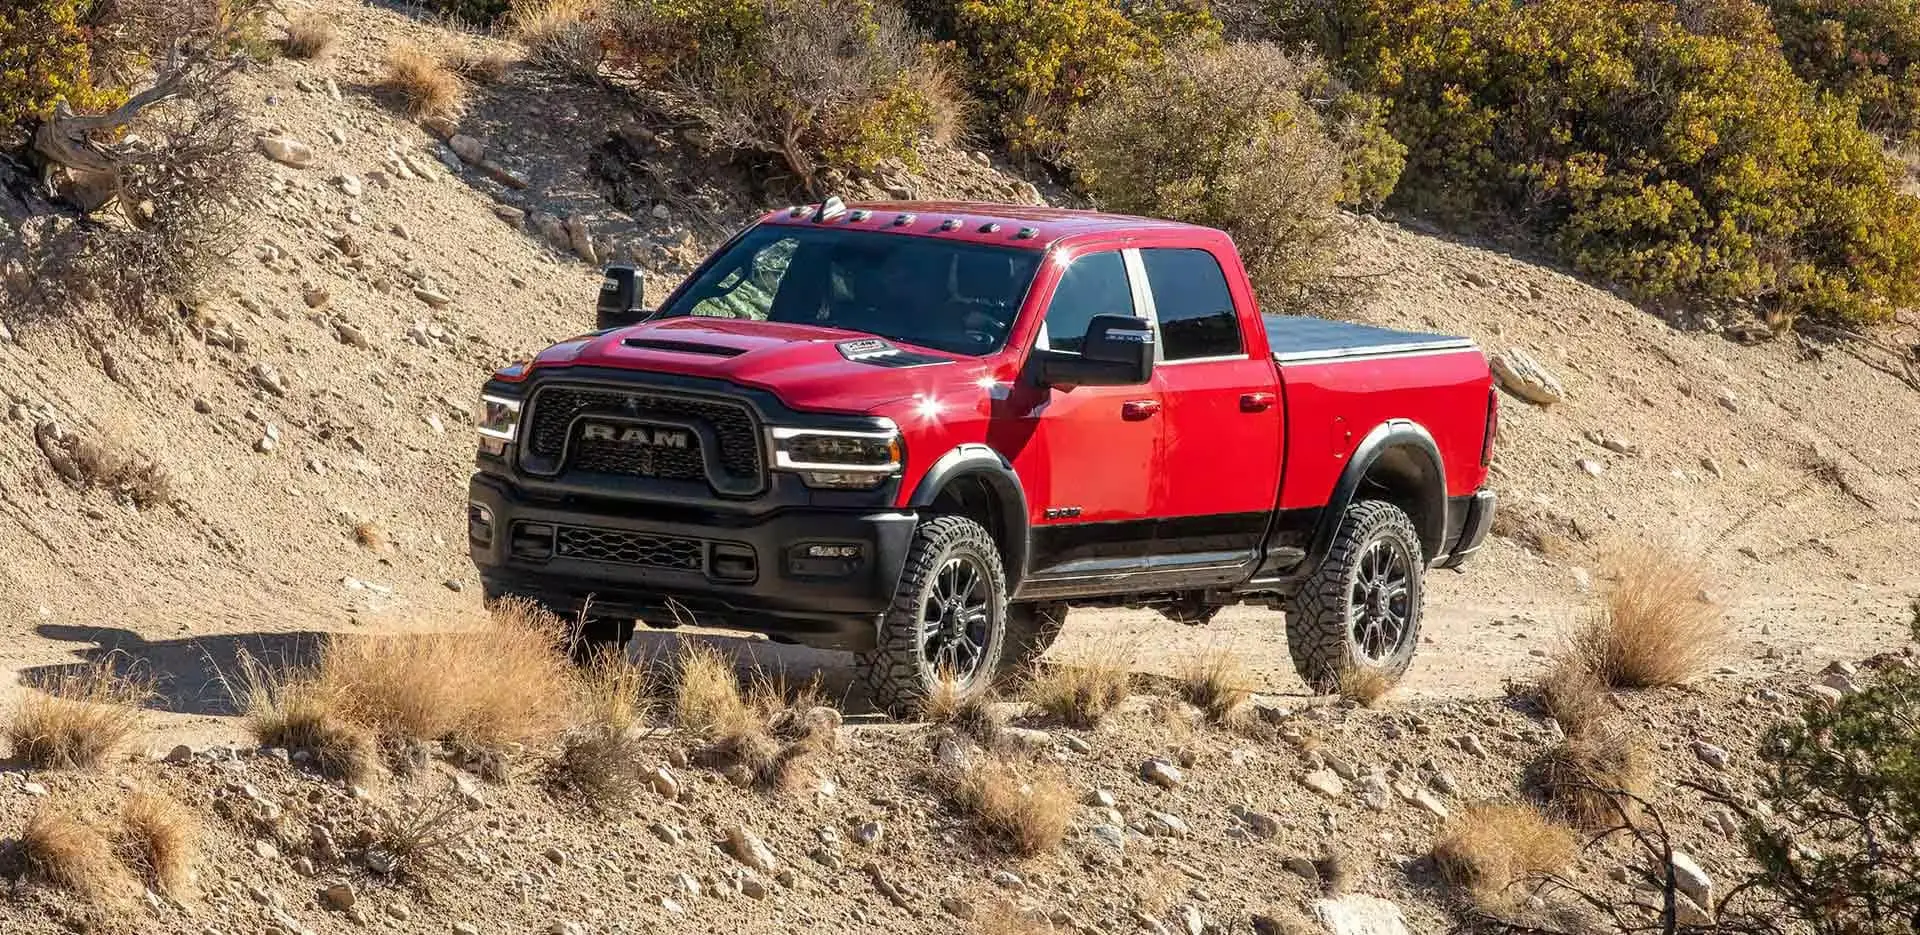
[881, 353]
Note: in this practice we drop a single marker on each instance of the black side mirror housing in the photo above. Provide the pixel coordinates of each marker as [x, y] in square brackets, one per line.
[1119, 350]
[622, 299]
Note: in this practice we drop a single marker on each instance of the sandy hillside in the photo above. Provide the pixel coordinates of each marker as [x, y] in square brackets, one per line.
[313, 416]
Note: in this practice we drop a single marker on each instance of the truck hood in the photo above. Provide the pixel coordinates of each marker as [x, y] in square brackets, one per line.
[806, 366]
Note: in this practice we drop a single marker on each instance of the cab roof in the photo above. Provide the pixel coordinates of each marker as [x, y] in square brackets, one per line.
[1034, 227]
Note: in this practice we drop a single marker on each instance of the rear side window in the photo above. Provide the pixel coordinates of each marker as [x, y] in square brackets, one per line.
[1096, 284]
[1194, 305]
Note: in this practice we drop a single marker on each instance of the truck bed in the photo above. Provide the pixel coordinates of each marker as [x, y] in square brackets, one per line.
[1298, 339]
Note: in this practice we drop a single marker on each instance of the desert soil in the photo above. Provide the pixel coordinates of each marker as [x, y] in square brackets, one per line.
[317, 392]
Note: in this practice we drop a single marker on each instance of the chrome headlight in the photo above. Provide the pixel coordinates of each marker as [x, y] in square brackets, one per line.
[836, 458]
[499, 423]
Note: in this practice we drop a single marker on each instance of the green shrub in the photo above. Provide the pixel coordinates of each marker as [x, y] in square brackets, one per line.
[1667, 148]
[1844, 786]
[473, 11]
[823, 85]
[46, 56]
[1036, 62]
[1866, 50]
[1224, 136]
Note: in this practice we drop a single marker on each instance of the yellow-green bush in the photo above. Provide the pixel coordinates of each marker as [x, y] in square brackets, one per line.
[46, 57]
[1036, 62]
[822, 84]
[1665, 147]
[1225, 136]
[1866, 50]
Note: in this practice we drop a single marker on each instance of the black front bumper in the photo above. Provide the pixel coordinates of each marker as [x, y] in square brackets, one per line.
[668, 566]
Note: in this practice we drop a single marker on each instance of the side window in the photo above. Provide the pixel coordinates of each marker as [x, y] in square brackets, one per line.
[1193, 303]
[1096, 284]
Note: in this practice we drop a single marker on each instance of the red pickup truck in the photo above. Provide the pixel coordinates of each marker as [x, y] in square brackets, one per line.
[922, 431]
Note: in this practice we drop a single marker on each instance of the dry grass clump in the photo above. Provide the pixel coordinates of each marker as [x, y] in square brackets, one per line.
[1367, 687]
[75, 720]
[1081, 693]
[1653, 628]
[480, 64]
[160, 839]
[370, 535]
[972, 714]
[1027, 811]
[763, 737]
[1572, 694]
[1215, 681]
[706, 692]
[115, 466]
[420, 838]
[64, 851]
[312, 37]
[567, 36]
[600, 754]
[503, 681]
[1493, 849]
[1586, 774]
[424, 83]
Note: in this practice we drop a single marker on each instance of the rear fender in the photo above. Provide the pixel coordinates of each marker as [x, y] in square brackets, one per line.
[1398, 461]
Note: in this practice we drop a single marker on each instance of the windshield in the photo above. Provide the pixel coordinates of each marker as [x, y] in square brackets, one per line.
[955, 297]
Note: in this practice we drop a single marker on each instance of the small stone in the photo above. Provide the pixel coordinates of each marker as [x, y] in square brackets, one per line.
[1691, 879]
[1426, 800]
[350, 335]
[1471, 743]
[399, 911]
[350, 185]
[1007, 880]
[316, 296]
[868, 834]
[268, 378]
[287, 151]
[1077, 744]
[1709, 754]
[1261, 824]
[432, 297]
[265, 850]
[179, 755]
[1326, 782]
[1711, 466]
[1825, 693]
[661, 212]
[1100, 798]
[339, 897]
[957, 907]
[666, 833]
[663, 783]
[1162, 773]
[747, 848]
[33, 788]
[1165, 824]
[1727, 400]
[1591, 466]
[469, 149]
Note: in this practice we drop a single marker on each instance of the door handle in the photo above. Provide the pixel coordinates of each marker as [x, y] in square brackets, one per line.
[1256, 402]
[1135, 410]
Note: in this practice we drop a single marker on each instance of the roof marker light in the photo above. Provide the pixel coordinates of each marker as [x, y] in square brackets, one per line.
[1026, 233]
[859, 215]
[902, 220]
[796, 211]
[989, 227]
[950, 224]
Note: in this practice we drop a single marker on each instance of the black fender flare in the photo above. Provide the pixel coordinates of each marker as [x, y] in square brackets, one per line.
[1394, 435]
[975, 460]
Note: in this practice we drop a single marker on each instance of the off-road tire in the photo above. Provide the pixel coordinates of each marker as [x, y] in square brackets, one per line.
[896, 672]
[1320, 637]
[1031, 629]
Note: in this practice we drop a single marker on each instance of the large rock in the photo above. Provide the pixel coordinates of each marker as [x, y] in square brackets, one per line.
[1326, 782]
[468, 148]
[287, 151]
[1358, 914]
[1691, 879]
[1524, 376]
[747, 848]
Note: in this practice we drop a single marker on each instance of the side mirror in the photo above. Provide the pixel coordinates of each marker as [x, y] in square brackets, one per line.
[1117, 351]
[622, 299]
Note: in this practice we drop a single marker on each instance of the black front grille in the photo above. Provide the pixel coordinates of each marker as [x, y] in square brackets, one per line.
[555, 409]
[631, 548]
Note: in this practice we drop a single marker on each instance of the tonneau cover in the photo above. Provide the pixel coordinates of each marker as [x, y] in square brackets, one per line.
[1294, 339]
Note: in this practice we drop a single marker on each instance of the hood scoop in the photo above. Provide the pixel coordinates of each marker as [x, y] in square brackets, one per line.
[681, 347]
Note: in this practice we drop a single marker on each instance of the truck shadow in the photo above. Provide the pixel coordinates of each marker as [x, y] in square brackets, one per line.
[199, 675]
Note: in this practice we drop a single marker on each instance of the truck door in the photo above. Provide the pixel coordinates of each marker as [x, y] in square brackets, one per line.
[1219, 476]
[1089, 452]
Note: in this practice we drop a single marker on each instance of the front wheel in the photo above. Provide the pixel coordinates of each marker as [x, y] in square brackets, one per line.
[1359, 612]
[948, 619]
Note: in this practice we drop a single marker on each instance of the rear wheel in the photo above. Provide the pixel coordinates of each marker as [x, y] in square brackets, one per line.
[1359, 612]
[948, 618]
